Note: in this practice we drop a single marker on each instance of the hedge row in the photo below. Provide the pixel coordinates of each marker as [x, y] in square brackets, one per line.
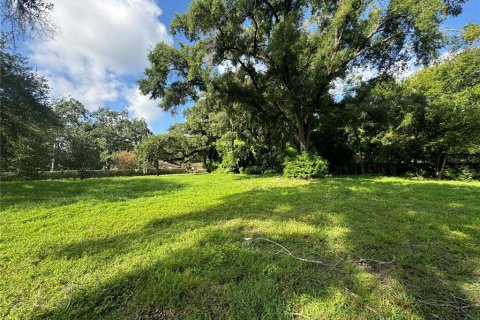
[74, 174]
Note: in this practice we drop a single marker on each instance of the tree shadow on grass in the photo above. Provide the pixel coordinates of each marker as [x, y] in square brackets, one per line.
[49, 194]
[415, 245]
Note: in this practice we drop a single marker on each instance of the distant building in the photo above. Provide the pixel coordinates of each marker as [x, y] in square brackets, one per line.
[167, 165]
[195, 166]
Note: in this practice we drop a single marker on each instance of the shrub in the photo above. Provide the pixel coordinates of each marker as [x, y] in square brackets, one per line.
[305, 166]
[409, 174]
[253, 170]
[466, 173]
[449, 173]
[270, 171]
[75, 174]
[124, 160]
[228, 164]
[463, 172]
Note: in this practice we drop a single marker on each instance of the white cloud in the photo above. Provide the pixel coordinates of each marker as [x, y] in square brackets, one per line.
[352, 79]
[361, 74]
[99, 46]
[406, 71]
[142, 107]
[227, 66]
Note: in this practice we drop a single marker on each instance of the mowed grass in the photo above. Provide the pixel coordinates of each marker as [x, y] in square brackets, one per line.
[173, 247]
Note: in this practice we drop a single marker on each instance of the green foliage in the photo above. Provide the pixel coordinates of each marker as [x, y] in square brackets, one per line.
[26, 119]
[230, 144]
[285, 57]
[229, 163]
[305, 166]
[424, 122]
[253, 170]
[30, 155]
[82, 153]
[75, 174]
[471, 33]
[173, 146]
[114, 131]
[462, 173]
[89, 140]
[124, 160]
[466, 173]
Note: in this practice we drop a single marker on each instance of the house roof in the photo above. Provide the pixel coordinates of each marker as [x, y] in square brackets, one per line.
[196, 164]
[168, 164]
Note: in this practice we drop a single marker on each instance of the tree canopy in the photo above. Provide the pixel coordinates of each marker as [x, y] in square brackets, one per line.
[26, 119]
[279, 58]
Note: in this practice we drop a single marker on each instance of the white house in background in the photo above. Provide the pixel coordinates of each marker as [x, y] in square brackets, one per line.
[167, 165]
[195, 166]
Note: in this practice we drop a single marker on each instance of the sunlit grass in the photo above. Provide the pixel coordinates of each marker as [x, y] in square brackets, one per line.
[173, 247]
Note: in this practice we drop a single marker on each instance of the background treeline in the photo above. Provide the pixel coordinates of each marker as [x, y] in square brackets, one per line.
[264, 74]
[260, 75]
[426, 125]
[38, 135]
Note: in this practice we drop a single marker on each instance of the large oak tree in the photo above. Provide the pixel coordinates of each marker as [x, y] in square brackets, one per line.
[284, 54]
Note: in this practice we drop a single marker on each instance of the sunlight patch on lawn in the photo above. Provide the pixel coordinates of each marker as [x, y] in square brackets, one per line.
[456, 205]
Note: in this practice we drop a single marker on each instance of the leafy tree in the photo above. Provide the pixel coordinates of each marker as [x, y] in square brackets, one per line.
[76, 122]
[236, 142]
[108, 131]
[448, 117]
[162, 147]
[422, 121]
[284, 55]
[371, 118]
[82, 153]
[471, 33]
[26, 119]
[30, 155]
[75, 144]
[115, 131]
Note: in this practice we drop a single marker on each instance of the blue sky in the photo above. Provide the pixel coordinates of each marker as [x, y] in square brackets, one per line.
[101, 46]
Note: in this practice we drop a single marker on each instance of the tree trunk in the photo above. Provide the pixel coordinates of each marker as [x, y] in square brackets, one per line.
[441, 165]
[303, 136]
[52, 166]
[362, 168]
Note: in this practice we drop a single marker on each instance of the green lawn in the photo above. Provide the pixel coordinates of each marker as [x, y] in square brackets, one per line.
[173, 247]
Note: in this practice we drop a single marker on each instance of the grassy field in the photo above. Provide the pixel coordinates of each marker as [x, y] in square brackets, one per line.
[173, 247]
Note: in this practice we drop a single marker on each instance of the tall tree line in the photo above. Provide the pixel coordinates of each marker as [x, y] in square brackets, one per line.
[39, 135]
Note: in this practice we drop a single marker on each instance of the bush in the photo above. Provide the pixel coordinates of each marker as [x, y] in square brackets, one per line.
[449, 173]
[76, 174]
[228, 164]
[466, 173]
[124, 160]
[253, 170]
[270, 171]
[463, 173]
[305, 166]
